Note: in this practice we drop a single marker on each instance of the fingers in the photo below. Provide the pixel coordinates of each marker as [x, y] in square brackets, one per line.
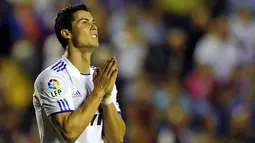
[105, 65]
[98, 70]
[94, 76]
[113, 78]
[114, 74]
[110, 66]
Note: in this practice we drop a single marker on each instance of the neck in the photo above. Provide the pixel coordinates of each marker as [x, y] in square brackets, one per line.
[80, 58]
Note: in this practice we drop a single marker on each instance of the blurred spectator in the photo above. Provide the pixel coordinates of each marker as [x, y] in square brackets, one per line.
[219, 7]
[47, 10]
[165, 134]
[196, 27]
[178, 109]
[52, 50]
[217, 50]
[167, 58]
[16, 89]
[130, 49]
[151, 26]
[201, 85]
[141, 123]
[243, 28]
[235, 5]
[25, 23]
[176, 42]
[7, 124]
[28, 33]
[178, 6]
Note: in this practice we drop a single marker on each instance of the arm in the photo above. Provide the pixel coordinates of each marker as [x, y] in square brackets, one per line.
[114, 126]
[55, 95]
[69, 124]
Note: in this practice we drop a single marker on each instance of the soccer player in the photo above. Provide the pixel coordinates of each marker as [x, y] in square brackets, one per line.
[75, 102]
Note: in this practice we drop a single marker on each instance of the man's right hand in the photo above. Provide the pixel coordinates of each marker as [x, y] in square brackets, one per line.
[105, 79]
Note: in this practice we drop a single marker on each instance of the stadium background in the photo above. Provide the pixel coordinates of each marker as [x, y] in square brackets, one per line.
[186, 67]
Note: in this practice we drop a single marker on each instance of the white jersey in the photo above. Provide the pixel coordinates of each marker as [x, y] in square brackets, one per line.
[62, 88]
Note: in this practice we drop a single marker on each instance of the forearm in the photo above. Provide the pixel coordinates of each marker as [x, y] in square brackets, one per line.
[78, 120]
[114, 126]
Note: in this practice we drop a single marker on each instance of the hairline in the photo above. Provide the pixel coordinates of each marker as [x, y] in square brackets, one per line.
[73, 19]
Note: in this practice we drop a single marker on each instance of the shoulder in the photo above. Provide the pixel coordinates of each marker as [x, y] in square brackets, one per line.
[207, 39]
[206, 43]
[51, 75]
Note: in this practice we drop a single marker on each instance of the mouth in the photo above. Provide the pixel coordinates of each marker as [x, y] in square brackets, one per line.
[94, 36]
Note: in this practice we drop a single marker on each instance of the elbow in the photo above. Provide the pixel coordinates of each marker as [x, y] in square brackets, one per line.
[115, 138]
[119, 139]
[70, 133]
[70, 137]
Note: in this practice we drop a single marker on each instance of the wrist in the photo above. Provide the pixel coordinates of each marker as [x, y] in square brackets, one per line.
[107, 100]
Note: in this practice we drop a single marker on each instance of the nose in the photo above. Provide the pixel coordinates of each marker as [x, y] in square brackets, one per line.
[93, 27]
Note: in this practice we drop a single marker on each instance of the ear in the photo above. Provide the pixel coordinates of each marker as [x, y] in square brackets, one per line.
[66, 34]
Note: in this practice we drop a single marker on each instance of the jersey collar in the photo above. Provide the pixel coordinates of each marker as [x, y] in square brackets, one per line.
[72, 69]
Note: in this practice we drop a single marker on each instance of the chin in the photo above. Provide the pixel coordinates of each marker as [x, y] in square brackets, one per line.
[95, 45]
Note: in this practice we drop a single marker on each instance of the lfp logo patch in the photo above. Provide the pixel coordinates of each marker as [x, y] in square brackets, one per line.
[53, 84]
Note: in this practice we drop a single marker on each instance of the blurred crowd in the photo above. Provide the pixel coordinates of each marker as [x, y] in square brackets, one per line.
[186, 67]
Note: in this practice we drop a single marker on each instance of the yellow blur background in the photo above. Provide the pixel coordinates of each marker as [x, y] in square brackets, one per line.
[186, 67]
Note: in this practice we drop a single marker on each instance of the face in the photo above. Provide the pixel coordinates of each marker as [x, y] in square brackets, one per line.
[223, 27]
[177, 41]
[244, 13]
[201, 16]
[84, 30]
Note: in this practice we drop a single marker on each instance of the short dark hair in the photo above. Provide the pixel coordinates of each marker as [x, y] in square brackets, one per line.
[64, 21]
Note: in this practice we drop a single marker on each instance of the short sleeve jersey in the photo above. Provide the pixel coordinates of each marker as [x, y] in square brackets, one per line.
[62, 88]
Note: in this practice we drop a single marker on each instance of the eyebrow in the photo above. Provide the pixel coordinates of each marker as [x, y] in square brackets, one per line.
[84, 18]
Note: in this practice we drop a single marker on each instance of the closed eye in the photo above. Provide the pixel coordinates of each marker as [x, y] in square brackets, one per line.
[84, 21]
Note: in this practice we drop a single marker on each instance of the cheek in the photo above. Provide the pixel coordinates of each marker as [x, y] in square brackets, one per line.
[87, 31]
[82, 35]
